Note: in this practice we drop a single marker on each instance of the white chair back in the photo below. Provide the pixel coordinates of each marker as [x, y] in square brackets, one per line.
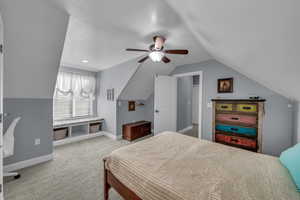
[9, 139]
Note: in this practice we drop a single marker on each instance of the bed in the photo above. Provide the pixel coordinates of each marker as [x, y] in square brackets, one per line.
[172, 166]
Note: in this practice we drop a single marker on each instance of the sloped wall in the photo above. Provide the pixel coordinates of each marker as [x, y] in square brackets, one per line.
[259, 39]
[141, 85]
[145, 112]
[34, 33]
[278, 128]
[117, 78]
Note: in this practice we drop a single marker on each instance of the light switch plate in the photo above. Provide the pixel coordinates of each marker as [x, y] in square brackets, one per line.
[37, 141]
[209, 105]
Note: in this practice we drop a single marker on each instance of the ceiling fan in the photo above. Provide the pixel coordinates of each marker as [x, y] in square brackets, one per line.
[156, 51]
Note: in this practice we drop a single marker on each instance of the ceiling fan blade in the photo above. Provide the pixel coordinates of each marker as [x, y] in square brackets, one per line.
[177, 51]
[143, 59]
[165, 59]
[142, 50]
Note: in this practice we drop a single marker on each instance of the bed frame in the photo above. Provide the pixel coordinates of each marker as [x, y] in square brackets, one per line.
[110, 181]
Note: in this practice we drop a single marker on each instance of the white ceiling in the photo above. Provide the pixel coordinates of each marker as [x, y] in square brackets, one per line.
[100, 31]
[259, 38]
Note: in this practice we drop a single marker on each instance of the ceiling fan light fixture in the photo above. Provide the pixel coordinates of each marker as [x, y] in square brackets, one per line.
[159, 42]
[156, 56]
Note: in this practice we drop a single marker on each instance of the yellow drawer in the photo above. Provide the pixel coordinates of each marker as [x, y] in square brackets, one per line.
[246, 108]
[224, 107]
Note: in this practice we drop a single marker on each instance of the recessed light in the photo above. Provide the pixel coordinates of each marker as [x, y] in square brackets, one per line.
[84, 61]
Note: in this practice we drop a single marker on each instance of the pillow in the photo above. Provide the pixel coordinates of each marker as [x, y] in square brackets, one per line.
[290, 158]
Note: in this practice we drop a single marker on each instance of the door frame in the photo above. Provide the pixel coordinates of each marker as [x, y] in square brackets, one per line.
[200, 73]
[1, 104]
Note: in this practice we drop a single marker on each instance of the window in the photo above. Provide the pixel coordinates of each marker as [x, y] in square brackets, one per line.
[74, 95]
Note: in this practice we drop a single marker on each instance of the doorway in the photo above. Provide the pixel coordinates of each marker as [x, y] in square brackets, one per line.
[189, 103]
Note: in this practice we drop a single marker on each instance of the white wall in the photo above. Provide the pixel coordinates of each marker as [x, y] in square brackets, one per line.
[34, 34]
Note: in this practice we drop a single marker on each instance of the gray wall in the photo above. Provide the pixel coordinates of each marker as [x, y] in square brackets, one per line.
[278, 121]
[34, 35]
[116, 77]
[141, 113]
[184, 102]
[296, 138]
[36, 122]
[33, 41]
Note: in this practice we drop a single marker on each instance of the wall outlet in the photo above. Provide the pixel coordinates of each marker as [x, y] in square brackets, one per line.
[37, 141]
[209, 105]
[290, 105]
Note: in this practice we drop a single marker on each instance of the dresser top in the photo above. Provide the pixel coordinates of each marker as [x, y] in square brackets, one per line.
[246, 100]
[138, 123]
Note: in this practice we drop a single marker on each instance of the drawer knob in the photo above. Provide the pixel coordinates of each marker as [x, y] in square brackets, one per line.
[235, 118]
[247, 108]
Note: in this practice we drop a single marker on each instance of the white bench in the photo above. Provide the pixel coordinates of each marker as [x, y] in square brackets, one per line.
[78, 129]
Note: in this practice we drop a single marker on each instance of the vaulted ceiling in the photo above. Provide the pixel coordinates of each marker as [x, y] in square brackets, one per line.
[258, 38]
[100, 31]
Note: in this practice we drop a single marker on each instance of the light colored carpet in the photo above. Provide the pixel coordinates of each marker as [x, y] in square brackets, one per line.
[76, 173]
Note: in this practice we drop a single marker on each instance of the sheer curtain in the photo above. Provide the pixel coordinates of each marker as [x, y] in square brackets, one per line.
[74, 95]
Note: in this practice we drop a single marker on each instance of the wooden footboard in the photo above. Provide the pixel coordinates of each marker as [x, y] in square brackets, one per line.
[110, 181]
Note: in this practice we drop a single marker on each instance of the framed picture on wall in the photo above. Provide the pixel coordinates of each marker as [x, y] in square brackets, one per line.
[110, 94]
[131, 105]
[225, 85]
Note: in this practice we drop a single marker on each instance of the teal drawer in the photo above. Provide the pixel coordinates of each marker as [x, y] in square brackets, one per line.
[237, 129]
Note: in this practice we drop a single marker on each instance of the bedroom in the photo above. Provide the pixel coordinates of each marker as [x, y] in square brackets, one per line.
[42, 39]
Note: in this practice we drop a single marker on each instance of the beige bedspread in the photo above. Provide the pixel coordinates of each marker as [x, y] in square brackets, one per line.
[172, 166]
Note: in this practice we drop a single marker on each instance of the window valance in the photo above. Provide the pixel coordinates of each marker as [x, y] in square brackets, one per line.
[79, 85]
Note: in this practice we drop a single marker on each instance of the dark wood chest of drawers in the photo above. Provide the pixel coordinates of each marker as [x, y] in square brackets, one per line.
[136, 130]
[238, 123]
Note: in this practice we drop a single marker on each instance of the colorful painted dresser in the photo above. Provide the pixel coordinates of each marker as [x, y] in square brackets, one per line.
[238, 123]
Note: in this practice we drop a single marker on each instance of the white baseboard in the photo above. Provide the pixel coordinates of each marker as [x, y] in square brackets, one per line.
[77, 138]
[27, 163]
[112, 136]
[185, 129]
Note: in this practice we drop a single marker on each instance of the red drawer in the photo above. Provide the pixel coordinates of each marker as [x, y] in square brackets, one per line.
[251, 120]
[236, 140]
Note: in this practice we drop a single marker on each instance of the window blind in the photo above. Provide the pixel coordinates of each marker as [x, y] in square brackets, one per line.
[62, 107]
[83, 107]
[74, 96]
